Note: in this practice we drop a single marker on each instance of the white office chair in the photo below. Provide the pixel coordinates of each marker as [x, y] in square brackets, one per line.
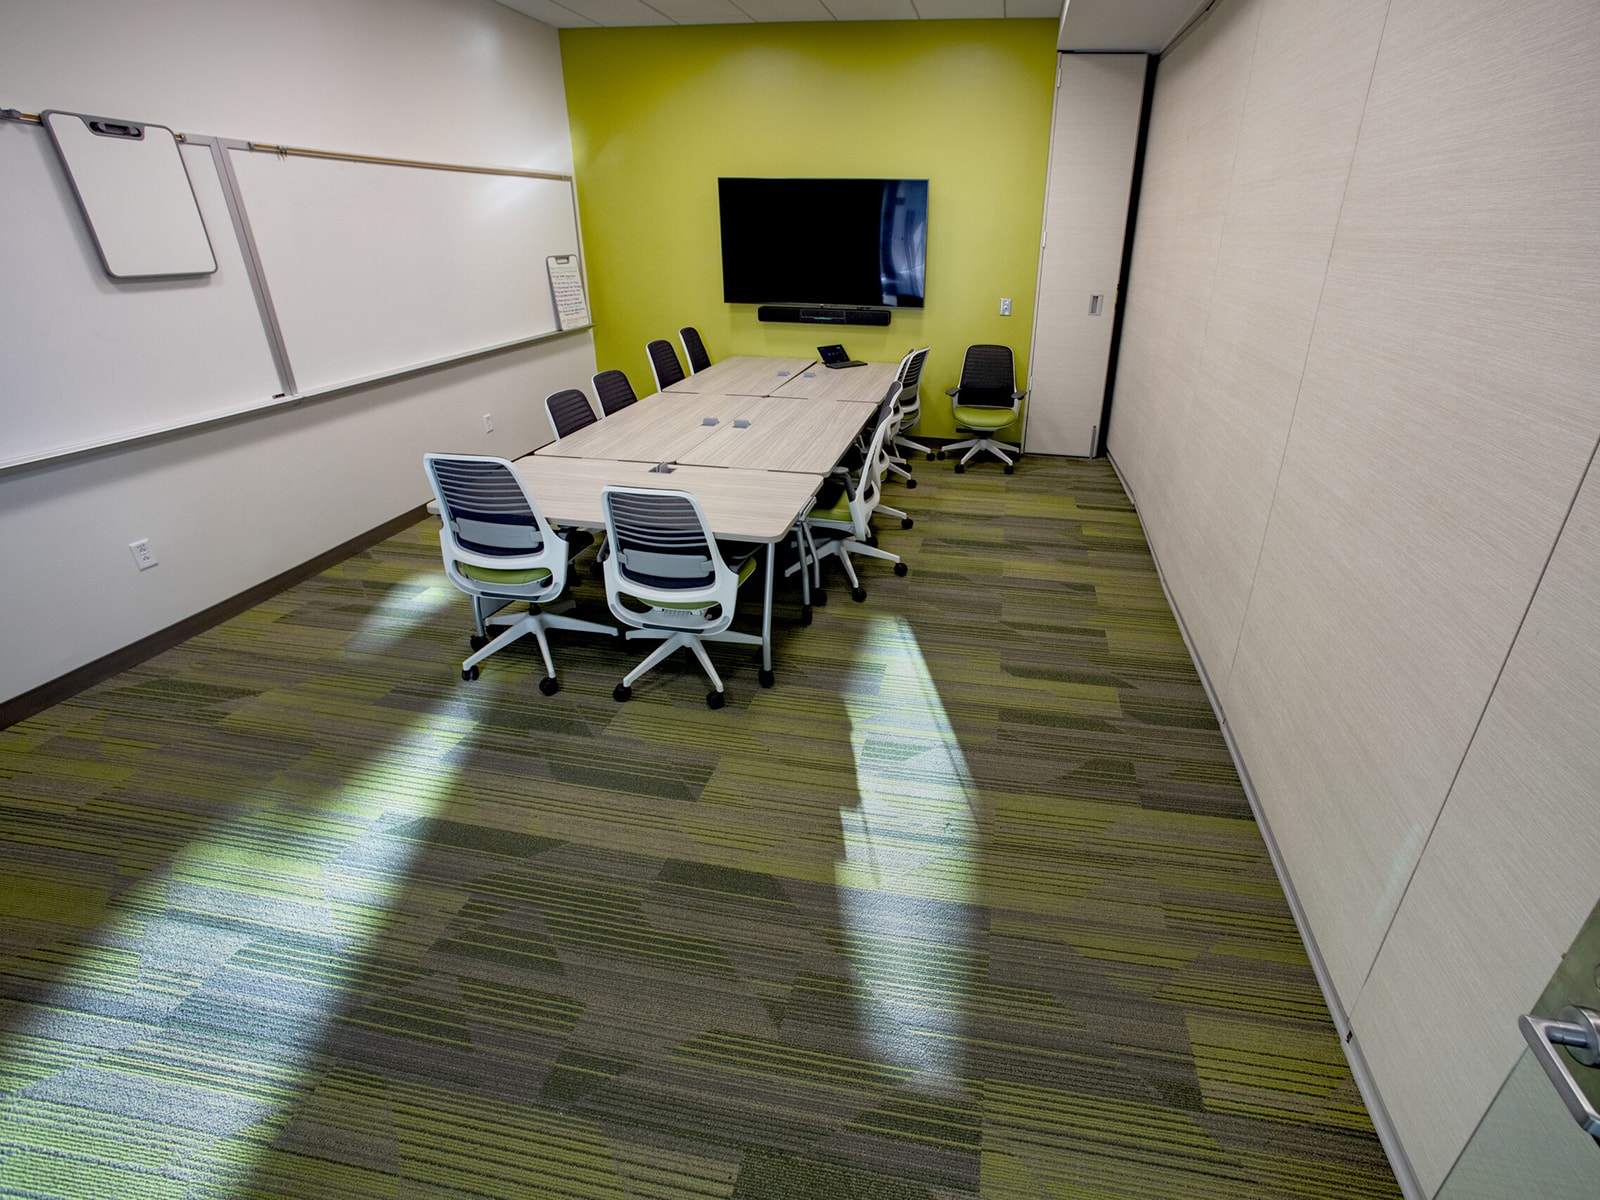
[840, 524]
[909, 409]
[499, 549]
[667, 577]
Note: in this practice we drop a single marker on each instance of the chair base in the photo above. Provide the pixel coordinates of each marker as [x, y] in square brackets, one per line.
[985, 445]
[535, 623]
[842, 547]
[672, 642]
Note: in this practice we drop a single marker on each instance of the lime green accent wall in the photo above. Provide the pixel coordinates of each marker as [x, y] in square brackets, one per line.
[658, 114]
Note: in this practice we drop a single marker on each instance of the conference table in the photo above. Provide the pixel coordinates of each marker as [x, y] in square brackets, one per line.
[754, 456]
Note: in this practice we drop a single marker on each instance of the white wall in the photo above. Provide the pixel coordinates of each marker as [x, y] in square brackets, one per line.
[1355, 404]
[225, 508]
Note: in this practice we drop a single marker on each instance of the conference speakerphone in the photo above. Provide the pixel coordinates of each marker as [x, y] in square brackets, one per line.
[823, 316]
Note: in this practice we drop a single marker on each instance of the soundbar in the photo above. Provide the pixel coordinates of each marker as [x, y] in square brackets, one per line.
[823, 316]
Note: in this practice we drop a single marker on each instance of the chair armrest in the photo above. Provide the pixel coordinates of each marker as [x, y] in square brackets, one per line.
[952, 392]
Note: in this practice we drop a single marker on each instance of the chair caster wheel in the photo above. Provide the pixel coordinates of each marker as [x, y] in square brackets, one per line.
[477, 641]
[911, 483]
[961, 469]
[938, 455]
[549, 685]
[765, 678]
[858, 594]
[819, 598]
[805, 614]
[622, 693]
[716, 699]
[901, 569]
[468, 674]
[1010, 470]
[872, 539]
[906, 522]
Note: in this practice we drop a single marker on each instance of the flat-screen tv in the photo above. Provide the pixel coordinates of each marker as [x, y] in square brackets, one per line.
[846, 242]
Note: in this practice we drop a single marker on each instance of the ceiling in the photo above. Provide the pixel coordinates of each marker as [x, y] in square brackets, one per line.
[1146, 25]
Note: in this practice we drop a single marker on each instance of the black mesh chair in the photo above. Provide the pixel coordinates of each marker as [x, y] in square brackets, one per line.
[569, 411]
[694, 349]
[667, 577]
[614, 390]
[499, 549]
[985, 402]
[664, 363]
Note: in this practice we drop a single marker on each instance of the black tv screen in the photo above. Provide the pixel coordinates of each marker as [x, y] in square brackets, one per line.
[856, 242]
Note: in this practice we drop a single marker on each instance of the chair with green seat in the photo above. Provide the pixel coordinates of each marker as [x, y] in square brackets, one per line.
[840, 523]
[985, 402]
[499, 550]
[668, 578]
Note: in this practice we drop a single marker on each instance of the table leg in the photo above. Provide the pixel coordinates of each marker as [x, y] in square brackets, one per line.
[766, 616]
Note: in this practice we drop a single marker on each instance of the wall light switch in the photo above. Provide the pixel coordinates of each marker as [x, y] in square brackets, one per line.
[488, 422]
[1005, 306]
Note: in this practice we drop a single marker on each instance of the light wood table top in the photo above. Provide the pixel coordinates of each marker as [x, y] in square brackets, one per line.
[865, 384]
[784, 435]
[659, 428]
[750, 506]
[743, 375]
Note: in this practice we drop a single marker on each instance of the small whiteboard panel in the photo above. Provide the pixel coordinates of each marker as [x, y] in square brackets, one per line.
[135, 194]
[374, 267]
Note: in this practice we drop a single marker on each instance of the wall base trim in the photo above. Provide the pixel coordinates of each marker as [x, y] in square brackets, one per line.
[1388, 1136]
[36, 700]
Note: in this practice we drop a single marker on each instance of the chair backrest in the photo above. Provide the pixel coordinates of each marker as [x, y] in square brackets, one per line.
[875, 461]
[569, 411]
[614, 390]
[694, 349]
[988, 378]
[910, 377]
[661, 551]
[664, 363]
[487, 519]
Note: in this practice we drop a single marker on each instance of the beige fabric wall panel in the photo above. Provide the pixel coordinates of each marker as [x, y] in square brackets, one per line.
[1308, 81]
[1194, 126]
[1095, 133]
[1446, 416]
[1508, 875]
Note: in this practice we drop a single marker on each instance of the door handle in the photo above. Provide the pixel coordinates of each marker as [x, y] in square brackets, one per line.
[1578, 1030]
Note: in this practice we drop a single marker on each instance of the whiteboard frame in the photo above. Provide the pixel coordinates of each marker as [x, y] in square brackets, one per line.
[291, 398]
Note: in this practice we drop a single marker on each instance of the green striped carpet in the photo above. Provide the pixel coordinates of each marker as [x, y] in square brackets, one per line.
[970, 904]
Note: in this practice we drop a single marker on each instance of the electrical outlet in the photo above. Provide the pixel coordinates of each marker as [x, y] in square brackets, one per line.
[488, 422]
[1005, 306]
[143, 556]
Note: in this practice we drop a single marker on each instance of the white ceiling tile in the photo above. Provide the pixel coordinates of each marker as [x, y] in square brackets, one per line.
[549, 12]
[1027, 9]
[616, 12]
[956, 10]
[871, 10]
[784, 10]
[700, 12]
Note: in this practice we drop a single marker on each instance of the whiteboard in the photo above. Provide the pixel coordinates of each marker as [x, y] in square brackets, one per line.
[375, 266]
[86, 360]
[134, 193]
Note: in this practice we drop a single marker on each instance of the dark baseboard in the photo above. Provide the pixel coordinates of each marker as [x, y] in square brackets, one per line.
[20, 708]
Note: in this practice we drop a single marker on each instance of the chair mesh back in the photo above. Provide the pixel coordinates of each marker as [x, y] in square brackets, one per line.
[699, 360]
[569, 411]
[911, 371]
[614, 390]
[988, 377]
[665, 361]
[483, 503]
[659, 540]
